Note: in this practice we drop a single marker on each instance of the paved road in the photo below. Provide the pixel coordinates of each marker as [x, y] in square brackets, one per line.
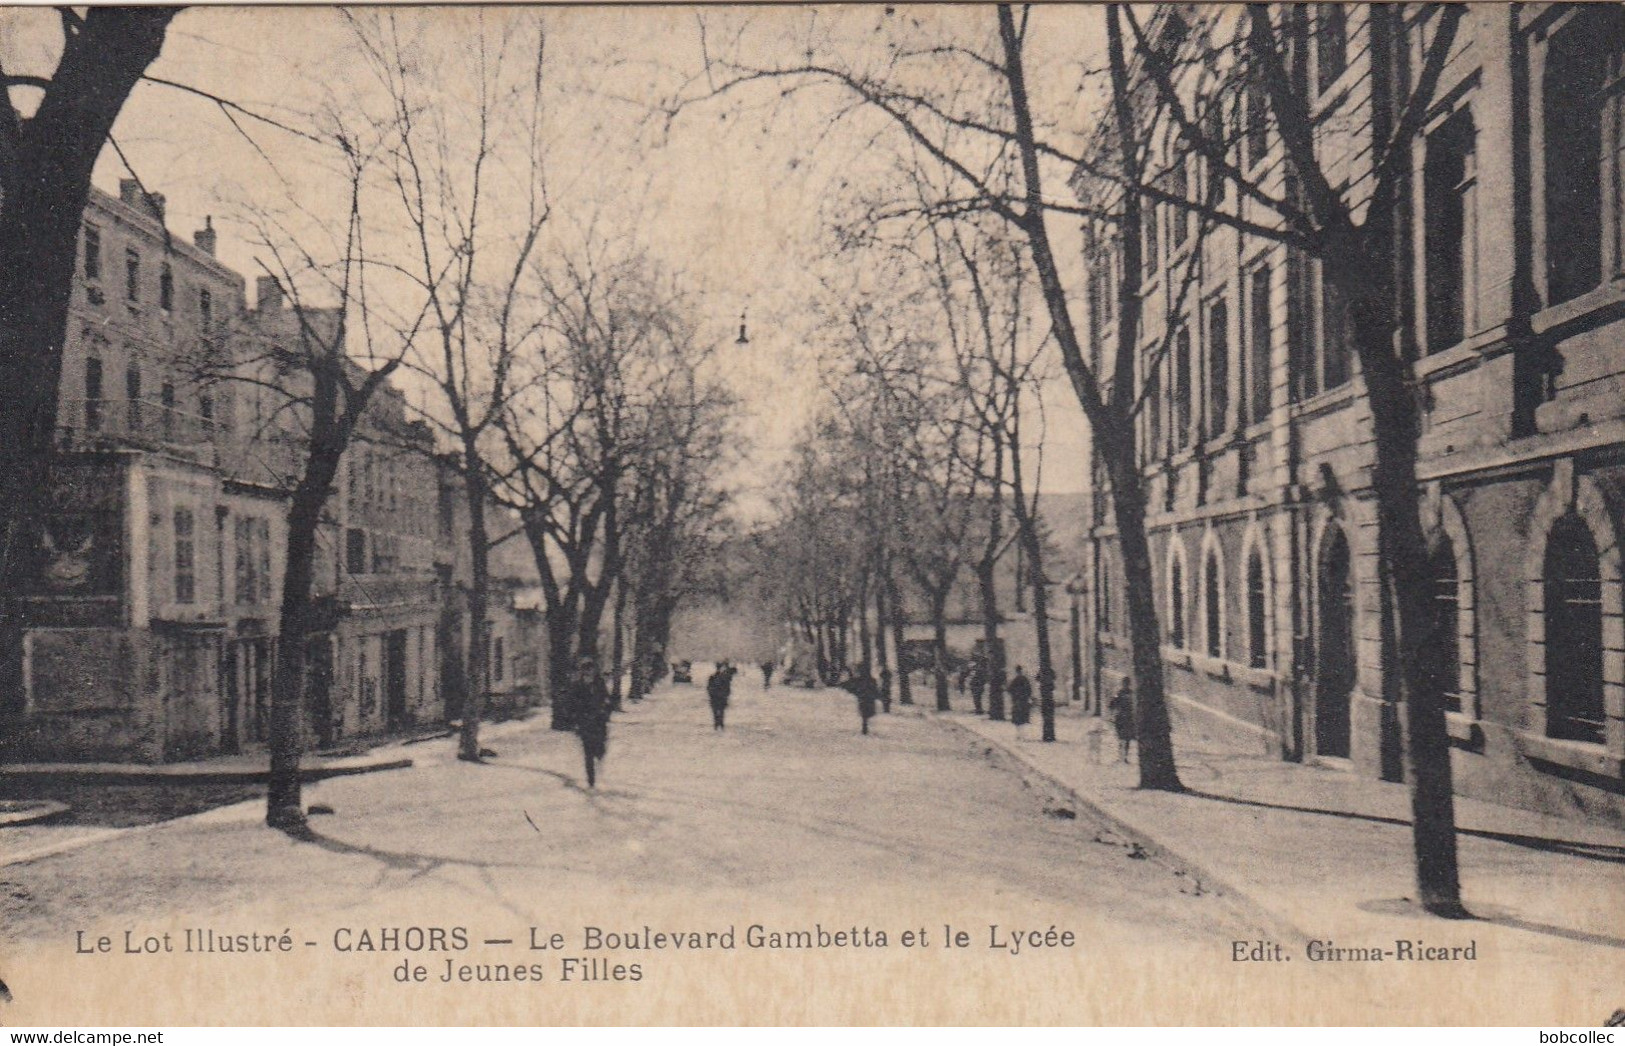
[788, 818]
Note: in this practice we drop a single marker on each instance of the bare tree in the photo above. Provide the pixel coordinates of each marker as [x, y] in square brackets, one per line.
[966, 104]
[1353, 228]
[468, 182]
[599, 441]
[322, 367]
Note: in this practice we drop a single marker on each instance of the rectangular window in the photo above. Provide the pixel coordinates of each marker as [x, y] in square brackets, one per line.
[1301, 327]
[1213, 129]
[132, 275]
[1259, 343]
[1218, 367]
[1449, 180]
[1331, 45]
[262, 558]
[1182, 388]
[93, 253]
[185, 574]
[132, 396]
[166, 396]
[1152, 385]
[1150, 214]
[93, 394]
[243, 576]
[1181, 220]
[1257, 140]
[1335, 338]
[355, 550]
[205, 310]
[1571, 114]
[166, 288]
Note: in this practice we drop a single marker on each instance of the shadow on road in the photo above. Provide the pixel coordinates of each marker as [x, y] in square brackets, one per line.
[1604, 852]
[1497, 917]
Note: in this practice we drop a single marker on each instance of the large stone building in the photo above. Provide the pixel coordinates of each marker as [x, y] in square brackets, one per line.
[1511, 243]
[150, 608]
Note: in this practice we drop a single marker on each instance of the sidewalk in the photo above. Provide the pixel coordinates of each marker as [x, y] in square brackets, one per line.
[253, 768]
[1327, 854]
[31, 838]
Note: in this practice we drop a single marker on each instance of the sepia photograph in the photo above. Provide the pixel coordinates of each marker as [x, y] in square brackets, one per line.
[900, 514]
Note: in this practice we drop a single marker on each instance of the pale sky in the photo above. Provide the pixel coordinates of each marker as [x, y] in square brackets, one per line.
[733, 194]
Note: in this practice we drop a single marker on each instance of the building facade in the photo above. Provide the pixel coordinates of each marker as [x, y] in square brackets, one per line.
[150, 605]
[1257, 433]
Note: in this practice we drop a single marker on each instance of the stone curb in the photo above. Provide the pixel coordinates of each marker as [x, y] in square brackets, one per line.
[1158, 849]
[80, 774]
[30, 811]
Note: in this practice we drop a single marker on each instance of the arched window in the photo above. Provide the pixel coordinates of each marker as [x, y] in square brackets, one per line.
[1573, 611]
[1257, 603]
[1176, 600]
[1444, 644]
[1213, 605]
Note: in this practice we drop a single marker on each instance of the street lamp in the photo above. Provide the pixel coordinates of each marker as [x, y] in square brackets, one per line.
[743, 339]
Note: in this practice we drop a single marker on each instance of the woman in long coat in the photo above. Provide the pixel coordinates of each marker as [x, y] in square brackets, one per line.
[1020, 690]
[1122, 710]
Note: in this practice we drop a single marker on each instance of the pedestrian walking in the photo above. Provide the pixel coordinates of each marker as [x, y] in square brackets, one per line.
[862, 686]
[719, 688]
[767, 675]
[1122, 710]
[978, 684]
[1020, 689]
[885, 690]
[589, 702]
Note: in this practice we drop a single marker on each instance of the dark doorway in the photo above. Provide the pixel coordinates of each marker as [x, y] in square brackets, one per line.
[1334, 647]
[231, 741]
[251, 664]
[395, 679]
[319, 689]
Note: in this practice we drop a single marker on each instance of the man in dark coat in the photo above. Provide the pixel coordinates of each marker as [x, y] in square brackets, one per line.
[589, 702]
[978, 684]
[1020, 689]
[863, 687]
[719, 688]
[885, 690]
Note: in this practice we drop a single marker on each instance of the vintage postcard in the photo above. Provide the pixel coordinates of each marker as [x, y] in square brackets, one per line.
[798, 515]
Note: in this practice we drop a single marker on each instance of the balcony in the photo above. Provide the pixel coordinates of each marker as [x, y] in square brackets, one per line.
[145, 424]
[360, 593]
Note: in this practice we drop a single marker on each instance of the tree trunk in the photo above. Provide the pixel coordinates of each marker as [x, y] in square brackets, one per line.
[1153, 730]
[880, 642]
[894, 601]
[992, 649]
[284, 804]
[479, 600]
[45, 168]
[1402, 551]
[939, 647]
[860, 618]
[618, 643]
[1046, 658]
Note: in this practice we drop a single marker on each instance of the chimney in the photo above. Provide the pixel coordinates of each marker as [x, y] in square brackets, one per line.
[129, 192]
[204, 237]
[268, 294]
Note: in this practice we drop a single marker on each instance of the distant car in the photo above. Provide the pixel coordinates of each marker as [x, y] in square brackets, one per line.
[682, 671]
[800, 675]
